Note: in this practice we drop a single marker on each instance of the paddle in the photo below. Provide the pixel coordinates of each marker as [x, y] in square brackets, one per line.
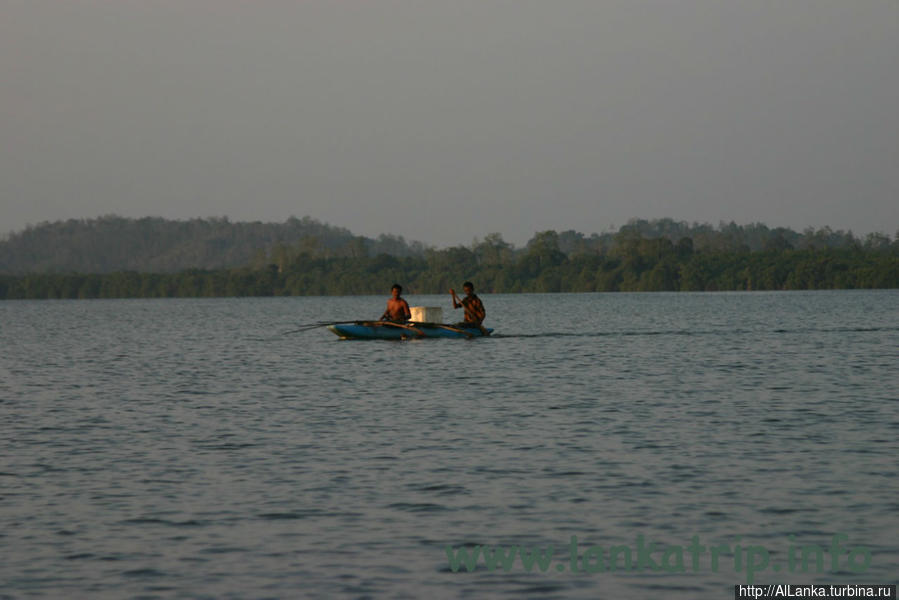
[456, 329]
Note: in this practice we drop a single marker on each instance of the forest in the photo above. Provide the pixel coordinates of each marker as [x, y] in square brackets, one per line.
[156, 245]
[660, 255]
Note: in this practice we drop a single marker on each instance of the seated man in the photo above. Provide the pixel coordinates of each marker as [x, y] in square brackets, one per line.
[397, 307]
[474, 308]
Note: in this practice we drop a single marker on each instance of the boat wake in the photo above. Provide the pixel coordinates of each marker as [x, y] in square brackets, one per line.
[691, 332]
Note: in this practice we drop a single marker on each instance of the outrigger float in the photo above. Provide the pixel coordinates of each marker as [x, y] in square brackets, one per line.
[389, 330]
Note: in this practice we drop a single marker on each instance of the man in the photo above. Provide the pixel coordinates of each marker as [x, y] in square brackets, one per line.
[474, 308]
[397, 307]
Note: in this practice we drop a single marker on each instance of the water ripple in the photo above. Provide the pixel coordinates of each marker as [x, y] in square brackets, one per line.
[182, 448]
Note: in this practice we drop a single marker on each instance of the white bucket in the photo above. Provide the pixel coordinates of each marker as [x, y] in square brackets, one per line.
[426, 314]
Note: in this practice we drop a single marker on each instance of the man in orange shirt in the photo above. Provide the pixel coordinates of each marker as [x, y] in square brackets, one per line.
[474, 308]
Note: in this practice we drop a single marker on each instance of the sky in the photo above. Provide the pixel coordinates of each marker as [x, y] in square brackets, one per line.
[443, 121]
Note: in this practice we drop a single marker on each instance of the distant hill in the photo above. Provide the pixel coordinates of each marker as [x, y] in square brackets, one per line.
[152, 244]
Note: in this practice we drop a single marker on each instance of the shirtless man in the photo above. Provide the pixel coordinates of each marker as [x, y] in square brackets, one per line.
[397, 307]
[474, 308]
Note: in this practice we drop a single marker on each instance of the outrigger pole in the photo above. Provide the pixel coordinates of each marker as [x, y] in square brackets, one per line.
[310, 326]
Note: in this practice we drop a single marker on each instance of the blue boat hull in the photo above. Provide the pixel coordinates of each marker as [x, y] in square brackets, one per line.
[375, 331]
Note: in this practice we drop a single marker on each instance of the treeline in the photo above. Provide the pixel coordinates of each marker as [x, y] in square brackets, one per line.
[631, 263]
[155, 245]
[152, 244]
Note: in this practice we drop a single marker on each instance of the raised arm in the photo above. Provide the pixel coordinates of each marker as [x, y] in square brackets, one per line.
[456, 303]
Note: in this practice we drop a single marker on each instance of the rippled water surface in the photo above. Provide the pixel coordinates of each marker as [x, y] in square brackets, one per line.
[190, 448]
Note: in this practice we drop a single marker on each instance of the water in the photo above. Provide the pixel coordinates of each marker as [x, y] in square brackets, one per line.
[187, 448]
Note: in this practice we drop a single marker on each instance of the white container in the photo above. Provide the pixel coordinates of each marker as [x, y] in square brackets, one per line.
[426, 314]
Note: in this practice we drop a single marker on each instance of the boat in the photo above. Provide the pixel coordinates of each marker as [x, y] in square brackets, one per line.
[386, 330]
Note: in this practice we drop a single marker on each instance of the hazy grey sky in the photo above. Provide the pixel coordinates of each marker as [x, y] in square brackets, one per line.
[444, 120]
